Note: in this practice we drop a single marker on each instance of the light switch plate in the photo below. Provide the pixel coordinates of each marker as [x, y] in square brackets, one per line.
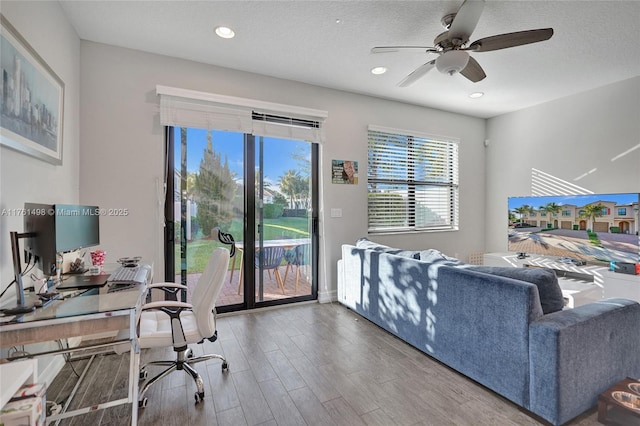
[336, 212]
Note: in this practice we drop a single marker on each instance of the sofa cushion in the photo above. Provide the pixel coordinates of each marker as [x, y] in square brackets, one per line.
[365, 243]
[545, 279]
[435, 256]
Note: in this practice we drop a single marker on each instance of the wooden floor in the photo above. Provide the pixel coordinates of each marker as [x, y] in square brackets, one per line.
[309, 364]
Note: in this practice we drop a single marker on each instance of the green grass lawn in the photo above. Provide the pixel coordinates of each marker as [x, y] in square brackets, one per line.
[199, 250]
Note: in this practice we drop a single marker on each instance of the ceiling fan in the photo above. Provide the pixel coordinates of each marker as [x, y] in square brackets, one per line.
[453, 49]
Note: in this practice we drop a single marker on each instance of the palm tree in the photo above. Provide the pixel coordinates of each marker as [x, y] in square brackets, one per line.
[525, 208]
[290, 185]
[591, 212]
[551, 209]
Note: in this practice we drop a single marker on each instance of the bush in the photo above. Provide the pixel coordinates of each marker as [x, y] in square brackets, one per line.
[575, 227]
[295, 213]
[273, 211]
[614, 229]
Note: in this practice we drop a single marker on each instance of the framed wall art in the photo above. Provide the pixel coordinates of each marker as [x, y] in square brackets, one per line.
[31, 112]
[344, 171]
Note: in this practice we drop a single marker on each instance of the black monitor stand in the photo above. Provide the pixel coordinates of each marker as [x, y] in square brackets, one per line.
[21, 307]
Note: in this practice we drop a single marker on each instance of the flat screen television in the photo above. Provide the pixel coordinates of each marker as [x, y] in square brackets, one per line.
[594, 228]
[59, 228]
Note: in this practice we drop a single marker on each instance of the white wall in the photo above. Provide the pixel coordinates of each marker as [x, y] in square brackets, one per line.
[24, 178]
[566, 138]
[122, 163]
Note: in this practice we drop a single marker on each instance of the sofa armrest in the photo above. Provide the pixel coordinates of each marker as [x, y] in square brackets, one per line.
[577, 354]
[341, 284]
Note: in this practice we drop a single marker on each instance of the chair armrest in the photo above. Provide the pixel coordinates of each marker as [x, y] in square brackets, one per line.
[166, 304]
[168, 285]
[171, 288]
[577, 354]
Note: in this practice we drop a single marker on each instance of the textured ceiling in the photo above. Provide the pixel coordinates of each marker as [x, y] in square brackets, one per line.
[595, 43]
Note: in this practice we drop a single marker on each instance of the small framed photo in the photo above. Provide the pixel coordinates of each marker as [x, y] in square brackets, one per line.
[344, 172]
[31, 111]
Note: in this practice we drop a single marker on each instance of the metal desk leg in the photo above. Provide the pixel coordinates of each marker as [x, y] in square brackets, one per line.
[134, 376]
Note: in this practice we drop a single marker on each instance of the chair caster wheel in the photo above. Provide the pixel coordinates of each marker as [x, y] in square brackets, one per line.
[142, 403]
[198, 397]
[225, 367]
[144, 374]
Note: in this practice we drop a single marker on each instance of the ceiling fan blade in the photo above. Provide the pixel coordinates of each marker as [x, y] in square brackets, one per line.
[417, 73]
[473, 71]
[504, 41]
[466, 20]
[387, 49]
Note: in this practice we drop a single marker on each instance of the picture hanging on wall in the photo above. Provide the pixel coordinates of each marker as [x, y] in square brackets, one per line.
[31, 113]
[344, 171]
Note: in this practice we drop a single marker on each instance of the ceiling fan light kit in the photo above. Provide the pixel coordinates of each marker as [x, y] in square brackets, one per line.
[453, 50]
[452, 62]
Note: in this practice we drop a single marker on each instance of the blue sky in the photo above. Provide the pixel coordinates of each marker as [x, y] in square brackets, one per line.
[578, 200]
[277, 152]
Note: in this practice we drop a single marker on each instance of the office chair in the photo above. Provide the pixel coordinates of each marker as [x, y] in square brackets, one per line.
[271, 259]
[170, 323]
[297, 256]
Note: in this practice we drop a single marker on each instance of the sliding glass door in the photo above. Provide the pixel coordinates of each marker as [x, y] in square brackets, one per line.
[261, 190]
[284, 219]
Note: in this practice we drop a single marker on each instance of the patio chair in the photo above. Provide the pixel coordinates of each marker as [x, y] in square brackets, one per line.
[271, 259]
[297, 256]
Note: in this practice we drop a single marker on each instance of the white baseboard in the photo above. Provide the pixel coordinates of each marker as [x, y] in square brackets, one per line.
[327, 296]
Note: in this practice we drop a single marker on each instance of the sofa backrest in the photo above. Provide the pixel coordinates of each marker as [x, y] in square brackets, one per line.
[476, 323]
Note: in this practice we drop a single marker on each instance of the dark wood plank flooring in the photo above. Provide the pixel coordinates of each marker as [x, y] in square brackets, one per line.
[309, 364]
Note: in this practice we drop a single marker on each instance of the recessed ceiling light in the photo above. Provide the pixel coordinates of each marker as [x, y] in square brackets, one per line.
[225, 32]
[378, 70]
[475, 95]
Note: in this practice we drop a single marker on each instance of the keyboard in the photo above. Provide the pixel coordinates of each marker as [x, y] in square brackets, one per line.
[131, 275]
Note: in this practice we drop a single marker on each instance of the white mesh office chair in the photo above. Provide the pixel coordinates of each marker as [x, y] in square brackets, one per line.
[169, 323]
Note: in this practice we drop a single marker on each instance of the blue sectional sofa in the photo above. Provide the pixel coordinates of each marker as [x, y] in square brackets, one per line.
[492, 328]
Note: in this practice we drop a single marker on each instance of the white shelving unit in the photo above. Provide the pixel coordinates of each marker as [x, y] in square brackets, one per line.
[15, 374]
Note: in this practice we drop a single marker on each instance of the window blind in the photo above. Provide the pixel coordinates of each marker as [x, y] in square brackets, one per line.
[286, 127]
[189, 108]
[181, 112]
[412, 182]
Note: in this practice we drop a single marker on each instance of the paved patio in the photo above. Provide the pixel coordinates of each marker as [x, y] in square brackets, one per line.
[229, 293]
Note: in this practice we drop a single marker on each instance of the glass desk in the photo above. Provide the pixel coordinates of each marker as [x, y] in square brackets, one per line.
[82, 313]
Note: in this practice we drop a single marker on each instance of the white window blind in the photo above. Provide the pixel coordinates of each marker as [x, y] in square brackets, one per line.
[189, 108]
[180, 112]
[412, 182]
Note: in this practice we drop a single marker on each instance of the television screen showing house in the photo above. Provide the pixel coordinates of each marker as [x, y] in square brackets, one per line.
[591, 228]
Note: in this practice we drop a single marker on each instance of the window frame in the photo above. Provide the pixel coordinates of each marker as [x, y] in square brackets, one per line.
[448, 177]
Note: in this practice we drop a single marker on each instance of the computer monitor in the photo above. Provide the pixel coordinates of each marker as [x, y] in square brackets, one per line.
[59, 228]
[49, 230]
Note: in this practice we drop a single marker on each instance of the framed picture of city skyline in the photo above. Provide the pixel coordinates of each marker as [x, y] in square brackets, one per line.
[31, 112]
